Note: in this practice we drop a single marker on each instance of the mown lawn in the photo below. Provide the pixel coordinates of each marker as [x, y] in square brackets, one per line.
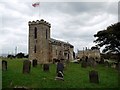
[74, 76]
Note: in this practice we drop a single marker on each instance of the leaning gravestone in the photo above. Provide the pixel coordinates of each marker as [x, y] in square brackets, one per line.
[4, 65]
[93, 77]
[45, 67]
[26, 66]
[34, 63]
[84, 64]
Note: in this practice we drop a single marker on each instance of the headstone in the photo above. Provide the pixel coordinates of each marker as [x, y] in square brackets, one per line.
[34, 63]
[91, 62]
[101, 61]
[93, 77]
[86, 58]
[84, 64]
[60, 67]
[46, 67]
[26, 66]
[4, 65]
[106, 63]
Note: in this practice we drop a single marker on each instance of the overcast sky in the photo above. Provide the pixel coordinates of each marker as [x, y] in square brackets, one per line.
[73, 22]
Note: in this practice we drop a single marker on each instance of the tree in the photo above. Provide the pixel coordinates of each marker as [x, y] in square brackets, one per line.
[94, 48]
[10, 56]
[20, 55]
[110, 38]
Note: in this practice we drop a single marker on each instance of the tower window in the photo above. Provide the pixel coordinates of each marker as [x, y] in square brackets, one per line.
[35, 49]
[46, 33]
[56, 52]
[35, 33]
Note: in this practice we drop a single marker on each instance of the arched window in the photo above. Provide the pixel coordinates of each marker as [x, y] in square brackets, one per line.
[35, 33]
[35, 49]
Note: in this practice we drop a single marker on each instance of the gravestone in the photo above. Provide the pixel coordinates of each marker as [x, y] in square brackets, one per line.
[93, 77]
[101, 61]
[4, 65]
[34, 63]
[26, 66]
[86, 58]
[45, 67]
[60, 67]
[106, 64]
[91, 62]
[84, 64]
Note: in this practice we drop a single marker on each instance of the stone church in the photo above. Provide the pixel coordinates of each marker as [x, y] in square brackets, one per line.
[45, 49]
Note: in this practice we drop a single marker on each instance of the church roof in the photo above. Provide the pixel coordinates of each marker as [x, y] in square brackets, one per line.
[54, 41]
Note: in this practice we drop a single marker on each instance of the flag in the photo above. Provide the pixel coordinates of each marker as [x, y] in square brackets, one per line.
[36, 4]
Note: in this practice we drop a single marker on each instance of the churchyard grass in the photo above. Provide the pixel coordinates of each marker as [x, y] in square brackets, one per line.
[74, 76]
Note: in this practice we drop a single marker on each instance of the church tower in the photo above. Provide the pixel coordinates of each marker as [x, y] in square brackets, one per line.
[39, 36]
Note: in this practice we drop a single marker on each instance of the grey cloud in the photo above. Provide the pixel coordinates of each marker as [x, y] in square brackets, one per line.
[72, 22]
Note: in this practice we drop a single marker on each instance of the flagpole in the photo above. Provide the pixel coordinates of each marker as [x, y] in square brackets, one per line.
[39, 10]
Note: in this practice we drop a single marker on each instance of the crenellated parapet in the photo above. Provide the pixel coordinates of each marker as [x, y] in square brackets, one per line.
[39, 22]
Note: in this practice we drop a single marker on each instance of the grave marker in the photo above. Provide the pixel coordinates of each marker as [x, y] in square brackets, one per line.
[93, 77]
[4, 65]
[45, 67]
[34, 63]
[26, 66]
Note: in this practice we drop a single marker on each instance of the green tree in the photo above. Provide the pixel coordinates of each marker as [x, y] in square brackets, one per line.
[110, 38]
[20, 55]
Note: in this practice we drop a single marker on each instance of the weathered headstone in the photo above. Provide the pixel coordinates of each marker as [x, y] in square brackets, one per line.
[46, 67]
[84, 64]
[91, 62]
[101, 61]
[26, 66]
[4, 65]
[60, 67]
[34, 63]
[86, 58]
[106, 63]
[93, 77]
